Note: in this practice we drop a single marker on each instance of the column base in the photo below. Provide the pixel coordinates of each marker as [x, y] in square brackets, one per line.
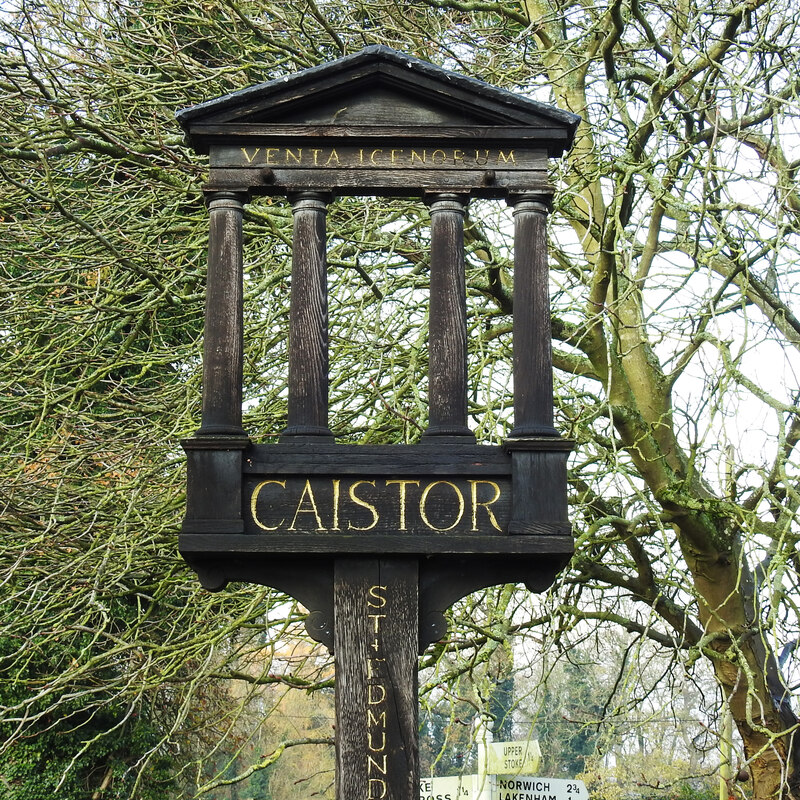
[311, 433]
[220, 430]
[456, 433]
[533, 431]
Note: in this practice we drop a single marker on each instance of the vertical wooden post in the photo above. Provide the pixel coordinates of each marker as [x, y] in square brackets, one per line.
[375, 606]
[308, 319]
[447, 335]
[533, 360]
[224, 337]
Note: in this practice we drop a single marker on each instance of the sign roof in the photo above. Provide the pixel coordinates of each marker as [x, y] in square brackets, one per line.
[378, 87]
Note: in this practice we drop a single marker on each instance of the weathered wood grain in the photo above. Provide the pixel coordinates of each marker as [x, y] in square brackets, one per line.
[377, 542]
[334, 544]
[214, 483]
[223, 134]
[426, 458]
[533, 367]
[375, 645]
[368, 88]
[308, 320]
[447, 327]
[224, 324]
[489, 183]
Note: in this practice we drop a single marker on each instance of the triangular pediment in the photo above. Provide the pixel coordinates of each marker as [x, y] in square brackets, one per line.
[379, 87]
[375, 103]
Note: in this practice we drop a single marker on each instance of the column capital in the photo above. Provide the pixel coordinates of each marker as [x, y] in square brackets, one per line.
[446, 201]
[310, 199]
[537, 202]
[225, 198]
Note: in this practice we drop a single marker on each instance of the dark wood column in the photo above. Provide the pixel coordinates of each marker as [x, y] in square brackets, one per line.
[533, 360]
[375, 645]
[223, 340]
[308, 319]
[447, 336]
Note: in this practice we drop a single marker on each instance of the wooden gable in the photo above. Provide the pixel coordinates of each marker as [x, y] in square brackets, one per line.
[378, 86]
[378, 122]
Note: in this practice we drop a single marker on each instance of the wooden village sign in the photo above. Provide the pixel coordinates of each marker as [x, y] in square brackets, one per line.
[377, 541]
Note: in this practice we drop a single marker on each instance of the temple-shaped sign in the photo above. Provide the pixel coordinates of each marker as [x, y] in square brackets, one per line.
[377, 541]
[377, 122]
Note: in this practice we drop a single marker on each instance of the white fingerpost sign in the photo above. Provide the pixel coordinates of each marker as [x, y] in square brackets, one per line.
[511, 758]
[502, 787]
[457, 787]
[531, 787]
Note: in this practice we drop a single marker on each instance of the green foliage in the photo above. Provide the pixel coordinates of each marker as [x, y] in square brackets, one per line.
[79, 748]
[568, 725]
[445, 740]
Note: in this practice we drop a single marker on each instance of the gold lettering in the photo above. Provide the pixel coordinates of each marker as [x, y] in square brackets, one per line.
[335, 523]
[380, 720]
[371, 745]
[309, 493]
[476, 504]
[247, 155]
[372, 156]
[331, 157]
[377, 618]
[442, 156]
[296, 158]
[415, 156]
[501, 156]
[254, 500]
[478, 158]
[364, 504]
[382, 787]
[402, 485]
[424, 499]
[374, 593]
[458, 156]
[483, 494]
[379, 690]
[370, 673]
[394, 154]
[361, 156]
[379, 766]
[316, 153]
[270, 155]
